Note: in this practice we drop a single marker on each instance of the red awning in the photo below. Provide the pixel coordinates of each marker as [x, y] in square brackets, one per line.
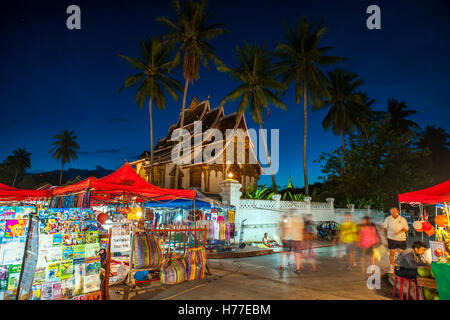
[125, 179]
[10, 193]
[437, 194]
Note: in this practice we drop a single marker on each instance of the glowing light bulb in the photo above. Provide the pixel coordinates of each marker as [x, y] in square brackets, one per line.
[230, 175]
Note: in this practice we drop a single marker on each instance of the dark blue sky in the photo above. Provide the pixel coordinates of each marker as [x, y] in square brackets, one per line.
[53, 78]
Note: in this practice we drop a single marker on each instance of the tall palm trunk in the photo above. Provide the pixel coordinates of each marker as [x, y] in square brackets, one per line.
[268, 156]
[342, 139]
[177, 169]
[15, 177]
[60, 175]
[151, 141]
[305, 170]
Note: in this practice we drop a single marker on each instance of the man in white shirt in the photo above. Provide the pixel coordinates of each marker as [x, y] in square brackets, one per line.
[396, 227]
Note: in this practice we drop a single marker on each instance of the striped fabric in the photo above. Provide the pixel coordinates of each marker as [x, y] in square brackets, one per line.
[147, 252]
[195, 263]
[173, 270]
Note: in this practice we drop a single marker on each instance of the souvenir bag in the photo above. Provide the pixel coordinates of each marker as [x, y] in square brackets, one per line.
[195, 263]
[147, 252]
[173, 270]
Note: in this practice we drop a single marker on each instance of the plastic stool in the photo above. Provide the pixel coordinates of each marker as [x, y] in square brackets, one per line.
[402, 285]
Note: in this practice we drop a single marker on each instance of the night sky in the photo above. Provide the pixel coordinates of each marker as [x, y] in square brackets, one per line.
[53, 78]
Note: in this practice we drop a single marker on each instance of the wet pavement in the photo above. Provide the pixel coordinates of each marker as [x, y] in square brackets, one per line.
[257, 278]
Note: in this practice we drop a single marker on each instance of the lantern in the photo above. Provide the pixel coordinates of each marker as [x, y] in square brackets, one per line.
[441, 220]
[431, 231]
[417, 226]
[102, 217]
[426, 226]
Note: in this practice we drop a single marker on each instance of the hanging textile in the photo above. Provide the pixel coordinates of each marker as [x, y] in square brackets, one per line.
[222, 231]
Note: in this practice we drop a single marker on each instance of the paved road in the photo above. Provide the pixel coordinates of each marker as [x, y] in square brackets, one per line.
[258, 278]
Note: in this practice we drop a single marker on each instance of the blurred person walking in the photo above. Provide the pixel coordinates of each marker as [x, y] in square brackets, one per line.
[348, 237]
[368, 240]
[283, 233]
[309, 235]
[295, 231]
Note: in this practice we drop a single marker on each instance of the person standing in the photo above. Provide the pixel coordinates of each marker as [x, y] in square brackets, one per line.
[395, 227]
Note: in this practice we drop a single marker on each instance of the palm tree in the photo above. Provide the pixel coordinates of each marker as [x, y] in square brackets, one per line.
[347, 108]
[257, 77]
[155, 77]
[65, 149]
[398, 112]
[18, 162]
[301, 59]
[192, 34]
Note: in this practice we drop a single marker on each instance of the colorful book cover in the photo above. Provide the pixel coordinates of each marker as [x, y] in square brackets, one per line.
[92, 278]
[53, 272]
[72, 226]
[7, 213]
[57, 239]
[57, 291]
[93, 266]
[67, 287]
[79, 272]
[66, 269]
[4, 277]
[90, 225]
[39, 275]
[47, 291]
[69, 239]
[15, 228]
[81, 238]
[36, 291]
[92, 249]
[24, 212]
[67, 253]
[53, 226]
[91, 237]
[79, 251]
[42, 213]
[13, 277]
[2, 229]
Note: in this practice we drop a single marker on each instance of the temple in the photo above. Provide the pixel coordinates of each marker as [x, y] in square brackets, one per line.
[205, 176]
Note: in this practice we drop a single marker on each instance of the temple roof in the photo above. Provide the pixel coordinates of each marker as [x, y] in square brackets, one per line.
[210, 118]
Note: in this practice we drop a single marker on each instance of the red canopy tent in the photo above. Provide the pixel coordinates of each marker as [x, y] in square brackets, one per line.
[8, 193]
[437, 194]
[124, 180]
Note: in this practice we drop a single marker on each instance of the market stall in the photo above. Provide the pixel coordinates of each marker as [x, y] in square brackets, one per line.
[438, 195]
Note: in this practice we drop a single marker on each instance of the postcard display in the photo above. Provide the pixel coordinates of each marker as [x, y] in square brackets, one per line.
[68, 264]
[13, 234]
